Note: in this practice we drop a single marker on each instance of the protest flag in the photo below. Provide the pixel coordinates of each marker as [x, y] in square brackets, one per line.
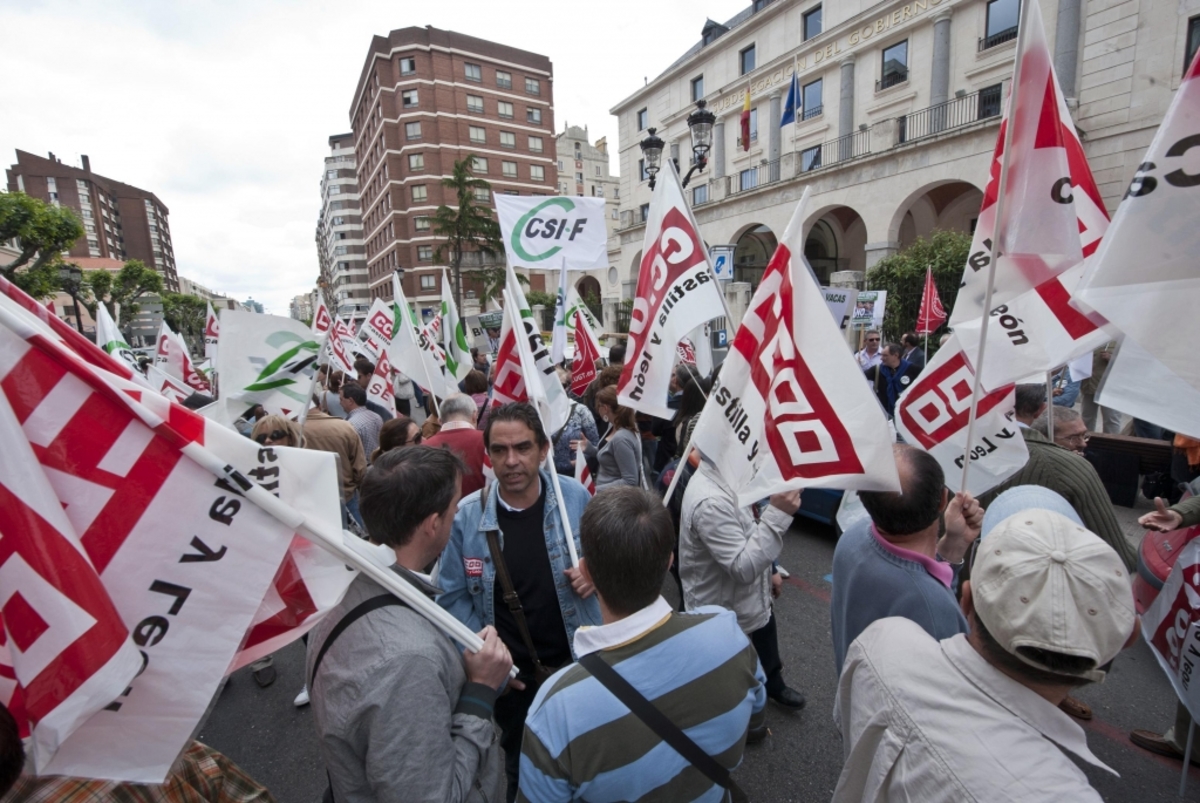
[792, 110]
[583, 475]
[1144, 277]
[508, 384]
[456, 351]
[558, 338]
[375, 332]
[267, 360]
[676, 292]
[212, 332]
[540, 232]
[1171, 627]
[108, 337]
[322, 321]
[558, 406]
[575, 303]
[789, 412]
[379, 386]
[932, 314]
[587, 356]
[341, 341]
[172, 358]
[410, 352]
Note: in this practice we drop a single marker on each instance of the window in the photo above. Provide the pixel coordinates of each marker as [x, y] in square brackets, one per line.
[643, 212]
[478, 134]
[533, 115]
[483, 194]
[334, 189]
[579, 177]
[895, 65]
[759, 5]
[746, 60]
[811, 158]
[508, 139]
[812, 23]
[597, 171]
[989, 101]
[748, 179]
[479, 164]
[473, 72]
[598, 192]
[1002, 18]
[420, 224]
[416, 162]
[425, 253]
[560, 167]
[475, 104]
[429, 282]
[535, 144]
[505, 110]
[412, 130]
[1193, 42]
[643, 119]
[408, 66]
[340, 250]
[643, 175]
[503, 79]
[537, 173]
[509, 169]
[533, 86]
[697, 88]
[337, 221]
[754, 124]
[812, 99]
[408, 98]
[330, 174]
[616, 192]
[419, 194]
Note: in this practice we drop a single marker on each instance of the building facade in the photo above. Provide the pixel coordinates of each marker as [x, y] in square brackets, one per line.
[301, 308]
[340, 249]
[901, 104]
[120, 221]
[426, 98]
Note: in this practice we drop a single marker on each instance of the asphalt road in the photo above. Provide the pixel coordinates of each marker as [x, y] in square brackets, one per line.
[272, 740]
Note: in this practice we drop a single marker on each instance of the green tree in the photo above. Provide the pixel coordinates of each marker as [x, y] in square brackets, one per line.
[492, 280]
[902, 275]
[42, 231]
[186, 314]
[468, 226]
[41, 281]
[122, 288]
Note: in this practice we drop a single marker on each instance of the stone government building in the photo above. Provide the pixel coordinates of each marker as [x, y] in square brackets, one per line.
[901, 110]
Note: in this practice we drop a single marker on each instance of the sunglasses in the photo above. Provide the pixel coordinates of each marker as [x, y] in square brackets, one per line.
[277, 435]
[872, 340]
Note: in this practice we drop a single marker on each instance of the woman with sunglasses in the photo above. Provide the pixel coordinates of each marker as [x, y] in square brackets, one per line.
[275, 430]
[401, 431]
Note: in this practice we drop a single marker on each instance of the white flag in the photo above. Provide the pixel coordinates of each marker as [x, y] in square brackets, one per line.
[376, 331]
[172, 358]
[1055, 214]
[788, 411]
[456, 351]
[322, 321]
[268, 360]
[676, 293]
[539, 232]
[932, 414]
[379, 387]
[558, 404]
[576, 303]
[414, 353]
[1144, 278]
[1171, 626]
[212, 331]
[341, 341]
[558, 339]
[583, 475]
[1138, 384]
[108, 337]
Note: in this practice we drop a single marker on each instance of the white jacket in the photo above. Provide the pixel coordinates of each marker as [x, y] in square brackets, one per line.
[725, 555]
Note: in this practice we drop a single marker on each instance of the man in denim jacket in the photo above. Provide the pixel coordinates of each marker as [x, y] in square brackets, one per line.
[556, 599]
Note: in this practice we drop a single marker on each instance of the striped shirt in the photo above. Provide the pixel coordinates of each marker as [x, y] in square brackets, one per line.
[698, 668]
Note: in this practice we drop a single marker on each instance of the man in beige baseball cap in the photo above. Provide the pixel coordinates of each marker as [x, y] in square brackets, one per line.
[1049, 606]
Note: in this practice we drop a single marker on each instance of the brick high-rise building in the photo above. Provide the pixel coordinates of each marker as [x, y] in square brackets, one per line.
[120, 221]
[428, 97]
[343, 264]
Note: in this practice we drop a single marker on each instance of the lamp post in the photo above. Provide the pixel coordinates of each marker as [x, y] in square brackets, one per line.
[700, 124]
[70, 280]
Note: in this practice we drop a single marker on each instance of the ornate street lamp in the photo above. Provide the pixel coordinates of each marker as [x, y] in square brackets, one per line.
[70, 281]
[652, 148]
[700, 123]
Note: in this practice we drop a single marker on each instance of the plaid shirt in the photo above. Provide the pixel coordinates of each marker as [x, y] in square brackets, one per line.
[367, 424]
[201, 775]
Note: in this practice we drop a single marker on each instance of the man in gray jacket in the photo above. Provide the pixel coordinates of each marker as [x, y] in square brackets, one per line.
[401, 714]
[726, 557]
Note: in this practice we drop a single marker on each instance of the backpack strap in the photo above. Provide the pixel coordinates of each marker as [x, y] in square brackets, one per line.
[357, 612]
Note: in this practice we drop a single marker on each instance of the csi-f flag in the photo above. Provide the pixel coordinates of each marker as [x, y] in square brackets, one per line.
[456, 349]
[109, 338]
[411, 352]
[267, 360]
[788, 411]
[676, 293]
[558, 338]
[541, 232]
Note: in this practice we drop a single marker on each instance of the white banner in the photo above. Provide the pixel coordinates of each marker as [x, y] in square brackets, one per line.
[676, 293]
[788, 411]
[455, 349]
[932, 414]
[411, 352]
[267, 360]
[1138, 384]
[840, 301]
[541, 232]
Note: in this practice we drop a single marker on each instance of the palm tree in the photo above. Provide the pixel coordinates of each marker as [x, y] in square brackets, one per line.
[469, 226]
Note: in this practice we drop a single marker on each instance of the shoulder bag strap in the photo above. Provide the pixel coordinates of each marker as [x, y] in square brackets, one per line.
[561, 432]
[510, 595]
[657, 721]
[357, 612]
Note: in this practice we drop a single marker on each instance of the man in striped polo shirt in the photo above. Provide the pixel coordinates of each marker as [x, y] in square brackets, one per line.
[697, 668]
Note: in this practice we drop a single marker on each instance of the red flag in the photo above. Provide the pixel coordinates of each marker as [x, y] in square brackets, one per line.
[509, 383]
[587, 354]
[746, 121]
[582, 473]
[933, 314]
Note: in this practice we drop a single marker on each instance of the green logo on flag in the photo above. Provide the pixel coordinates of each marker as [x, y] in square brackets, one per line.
[531, 227]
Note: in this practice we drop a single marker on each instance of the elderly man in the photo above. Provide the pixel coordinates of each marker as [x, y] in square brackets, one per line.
[898, 563]
[976, 717]
[1069, 430]
[507, 564]
[578, 733]
[400, 713]
[727, 557]
[459, 435]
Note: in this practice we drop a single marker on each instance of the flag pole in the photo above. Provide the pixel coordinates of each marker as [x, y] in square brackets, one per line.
[997, 241]
[530, 376]
[675, 478]
[1050, 405]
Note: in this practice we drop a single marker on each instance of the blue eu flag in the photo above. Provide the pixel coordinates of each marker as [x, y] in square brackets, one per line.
[792, 107]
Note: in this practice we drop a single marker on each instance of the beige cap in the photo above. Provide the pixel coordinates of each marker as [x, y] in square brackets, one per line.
[1043, 581]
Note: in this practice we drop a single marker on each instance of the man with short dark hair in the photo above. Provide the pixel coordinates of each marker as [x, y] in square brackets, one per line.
[577, 734]
[892, 376]
[913, 353]
[1030, 402]
[459, 435]
[552, 599]
[895, 563]
[401, 714]
[366, 423]
[976, 717]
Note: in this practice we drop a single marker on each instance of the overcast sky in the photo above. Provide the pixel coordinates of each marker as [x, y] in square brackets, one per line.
[223, 108]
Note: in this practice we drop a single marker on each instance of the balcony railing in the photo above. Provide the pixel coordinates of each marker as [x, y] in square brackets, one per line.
[755, 177]
[949, 115]
[891, 79]
[811, 112]
[834, 151]
[999, 38]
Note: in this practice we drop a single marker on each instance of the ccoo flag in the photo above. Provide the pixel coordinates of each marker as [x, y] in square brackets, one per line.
[788, 411]
[587, 356]
[676, 293]
[212, 331]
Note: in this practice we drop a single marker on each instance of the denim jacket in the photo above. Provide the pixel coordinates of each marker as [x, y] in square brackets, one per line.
[468, 576]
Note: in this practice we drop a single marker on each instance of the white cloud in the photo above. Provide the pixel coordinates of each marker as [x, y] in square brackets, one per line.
[224, 109]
